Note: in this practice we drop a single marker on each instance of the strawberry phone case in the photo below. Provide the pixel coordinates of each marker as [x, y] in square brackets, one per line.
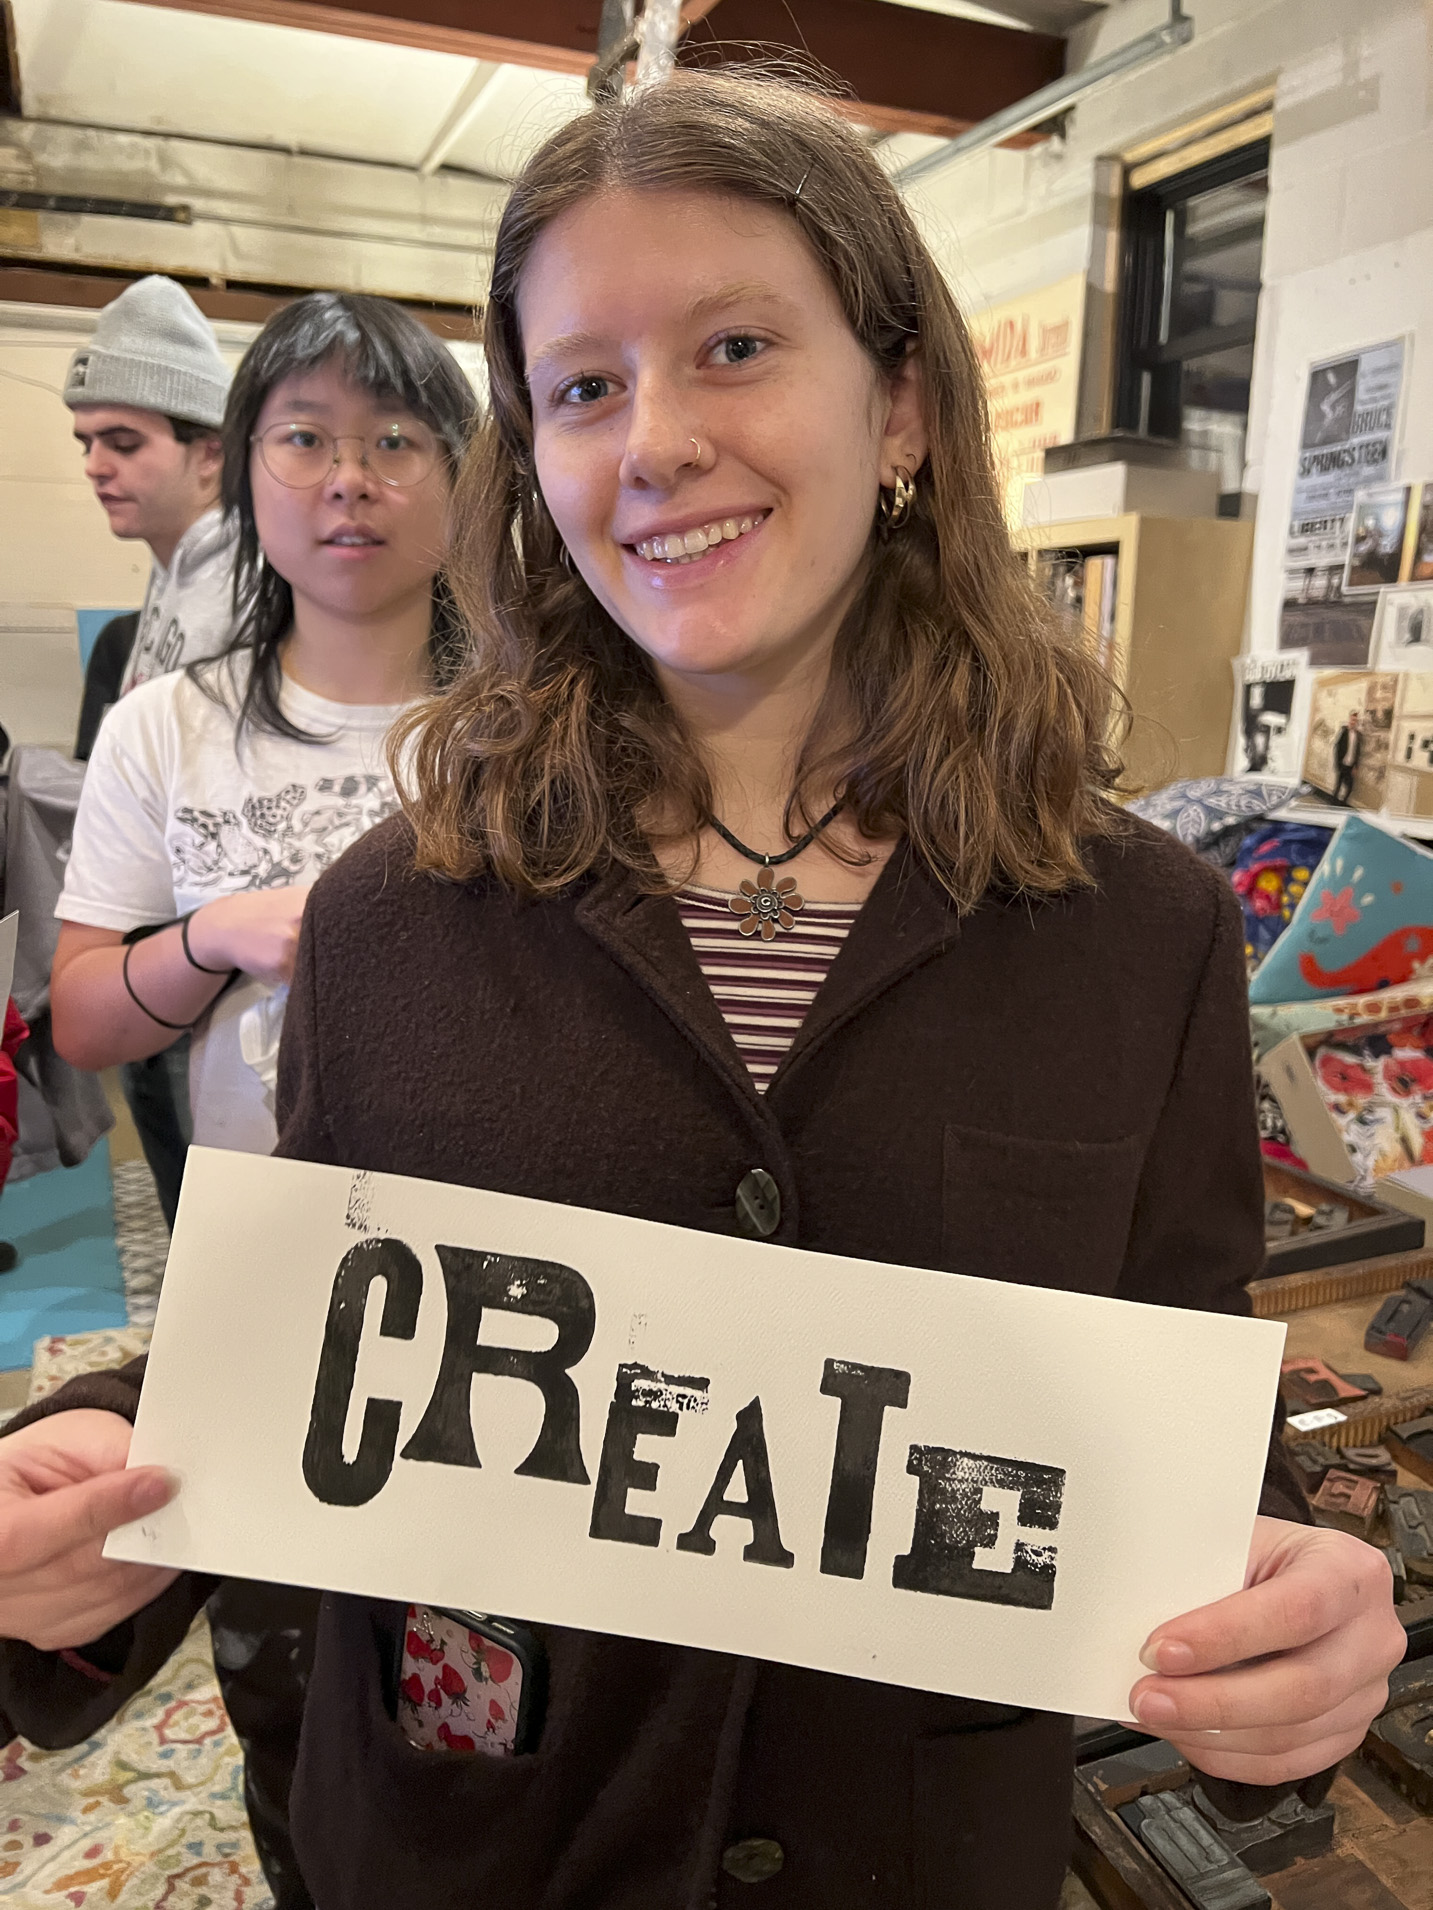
[469, 1683]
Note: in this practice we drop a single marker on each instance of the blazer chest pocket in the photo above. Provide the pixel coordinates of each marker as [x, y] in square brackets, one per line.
[1038, 1213]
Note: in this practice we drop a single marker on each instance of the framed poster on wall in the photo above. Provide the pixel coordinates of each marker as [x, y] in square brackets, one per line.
[1346, 445]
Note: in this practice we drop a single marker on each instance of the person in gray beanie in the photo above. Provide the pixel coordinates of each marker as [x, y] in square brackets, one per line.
[148, 393]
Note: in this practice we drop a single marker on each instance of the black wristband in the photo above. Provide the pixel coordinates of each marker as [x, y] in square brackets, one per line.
[179, 1027]
[189, 957]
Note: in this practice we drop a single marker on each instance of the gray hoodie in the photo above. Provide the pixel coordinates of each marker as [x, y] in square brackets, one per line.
[189, 608]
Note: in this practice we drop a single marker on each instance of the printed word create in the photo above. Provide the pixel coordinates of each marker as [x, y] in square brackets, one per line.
[979, 1520]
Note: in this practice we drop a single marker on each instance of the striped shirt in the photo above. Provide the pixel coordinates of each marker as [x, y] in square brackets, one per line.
[763, 989]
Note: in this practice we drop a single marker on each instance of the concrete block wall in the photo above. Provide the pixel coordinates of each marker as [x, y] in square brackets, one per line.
[1349, 239]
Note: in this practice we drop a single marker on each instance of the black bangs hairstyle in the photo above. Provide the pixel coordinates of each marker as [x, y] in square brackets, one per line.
[386, 351]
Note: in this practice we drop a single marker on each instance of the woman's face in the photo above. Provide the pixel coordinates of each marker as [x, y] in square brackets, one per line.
[692, 374]
[349, 545]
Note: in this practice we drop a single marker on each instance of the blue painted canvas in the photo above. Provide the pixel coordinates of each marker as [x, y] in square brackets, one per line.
[89, 623]
[68, 1279]
[1365, 921]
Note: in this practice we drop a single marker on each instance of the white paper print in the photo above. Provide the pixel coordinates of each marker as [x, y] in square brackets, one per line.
[456, 1398]
[1271, 698]
[1404, 635]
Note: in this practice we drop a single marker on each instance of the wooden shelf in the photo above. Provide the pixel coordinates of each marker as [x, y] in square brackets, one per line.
[1181, 590]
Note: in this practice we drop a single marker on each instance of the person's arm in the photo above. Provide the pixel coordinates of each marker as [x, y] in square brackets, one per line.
[1279, 1681]
[98, 1019]
[120, 879]
[103, 676]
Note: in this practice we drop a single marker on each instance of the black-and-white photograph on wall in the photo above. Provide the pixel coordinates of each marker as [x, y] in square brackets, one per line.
[1270, 715]
[1405, 630]
[1347, 444]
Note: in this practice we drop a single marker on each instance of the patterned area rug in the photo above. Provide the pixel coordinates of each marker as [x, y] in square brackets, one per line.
[150, 1812]
[141, 1237]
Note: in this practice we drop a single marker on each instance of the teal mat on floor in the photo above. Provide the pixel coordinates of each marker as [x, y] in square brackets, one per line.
[68, 1279]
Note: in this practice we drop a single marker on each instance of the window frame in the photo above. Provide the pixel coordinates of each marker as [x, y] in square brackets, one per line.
[1149, 271]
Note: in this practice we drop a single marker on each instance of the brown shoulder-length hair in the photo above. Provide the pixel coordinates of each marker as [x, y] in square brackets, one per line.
[960, 712]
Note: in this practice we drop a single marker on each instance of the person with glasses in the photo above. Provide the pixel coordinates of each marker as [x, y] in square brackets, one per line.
[217, 795]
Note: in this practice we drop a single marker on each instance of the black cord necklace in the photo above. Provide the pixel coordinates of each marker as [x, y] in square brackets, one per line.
[767, 904]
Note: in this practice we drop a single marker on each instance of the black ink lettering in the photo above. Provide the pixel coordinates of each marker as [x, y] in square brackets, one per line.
[746, 1449]
[507, 1282]
[645, 1402]
[952, 1524]
[328, 1475]
[864, 1392]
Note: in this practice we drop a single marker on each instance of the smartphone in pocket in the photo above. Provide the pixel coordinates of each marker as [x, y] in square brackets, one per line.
[470, 1683]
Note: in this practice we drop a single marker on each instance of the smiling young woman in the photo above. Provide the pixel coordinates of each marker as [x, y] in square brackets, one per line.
[757, 875]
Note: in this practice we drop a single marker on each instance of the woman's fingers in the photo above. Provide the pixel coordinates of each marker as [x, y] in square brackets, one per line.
[37, 1532]
[1283, 1678]
[1290, 1687]
[1309, 1582]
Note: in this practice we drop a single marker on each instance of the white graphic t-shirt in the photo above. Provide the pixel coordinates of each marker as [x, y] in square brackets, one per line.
[174, 814]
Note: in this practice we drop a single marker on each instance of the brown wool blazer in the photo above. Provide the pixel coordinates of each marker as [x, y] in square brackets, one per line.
[1055, 1095]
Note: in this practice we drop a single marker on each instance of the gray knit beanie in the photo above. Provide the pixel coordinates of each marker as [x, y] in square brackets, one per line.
[154, 348]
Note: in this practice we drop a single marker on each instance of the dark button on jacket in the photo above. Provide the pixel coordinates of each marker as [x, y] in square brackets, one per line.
[1057, 1095]
[753, 1860]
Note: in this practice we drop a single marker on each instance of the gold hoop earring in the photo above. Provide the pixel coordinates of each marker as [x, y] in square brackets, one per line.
[897, 504]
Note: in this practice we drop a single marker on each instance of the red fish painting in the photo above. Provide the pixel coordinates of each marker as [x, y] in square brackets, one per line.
[1397, 958]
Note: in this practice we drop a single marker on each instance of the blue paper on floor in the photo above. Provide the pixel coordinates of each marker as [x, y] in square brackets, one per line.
[68, 1279]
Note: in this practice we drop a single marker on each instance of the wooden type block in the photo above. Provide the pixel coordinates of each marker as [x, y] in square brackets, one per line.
[1139, 1772]
[1348, 1504]
[1188, 1848]
[1400, 1741]
[1403, 1860]
[1334, 1883]
[1410, 1519]
[1412, 1445]
[1313, 1462]
[1401, 1322]
[1399, 1571]
[1289, 1831]
[1368, 1462]
[1313, 1382]
[1114, 1865]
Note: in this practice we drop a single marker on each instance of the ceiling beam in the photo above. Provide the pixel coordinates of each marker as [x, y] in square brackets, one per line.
[907, 70]
[91, 289]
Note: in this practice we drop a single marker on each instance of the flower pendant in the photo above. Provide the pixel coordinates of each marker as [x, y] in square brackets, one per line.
[767, 905]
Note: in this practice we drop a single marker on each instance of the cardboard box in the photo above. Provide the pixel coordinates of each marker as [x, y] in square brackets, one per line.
[1358, 1100]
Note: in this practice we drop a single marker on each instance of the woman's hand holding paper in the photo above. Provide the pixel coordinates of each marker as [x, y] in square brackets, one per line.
[1282, 1679]
[63, 1487]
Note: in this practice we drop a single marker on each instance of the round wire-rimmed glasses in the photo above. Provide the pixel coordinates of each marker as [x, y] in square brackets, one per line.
[301, 456]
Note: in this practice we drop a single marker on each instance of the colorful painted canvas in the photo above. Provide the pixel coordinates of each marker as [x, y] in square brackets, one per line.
[1365, 921]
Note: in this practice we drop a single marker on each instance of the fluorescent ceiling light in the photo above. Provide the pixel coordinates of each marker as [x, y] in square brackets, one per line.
[1177, 31]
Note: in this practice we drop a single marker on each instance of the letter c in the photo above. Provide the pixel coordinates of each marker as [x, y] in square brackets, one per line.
[328, 1475]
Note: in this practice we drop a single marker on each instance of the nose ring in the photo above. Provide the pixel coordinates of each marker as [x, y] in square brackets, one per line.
[699, 449]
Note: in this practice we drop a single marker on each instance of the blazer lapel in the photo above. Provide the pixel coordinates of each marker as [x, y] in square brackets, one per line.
[905, 920]
[644, 933]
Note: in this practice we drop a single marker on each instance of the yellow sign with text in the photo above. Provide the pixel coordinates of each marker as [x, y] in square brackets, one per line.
[1029, 350]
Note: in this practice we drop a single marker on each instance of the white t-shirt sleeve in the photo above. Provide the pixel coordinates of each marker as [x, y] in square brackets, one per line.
[119, 874]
